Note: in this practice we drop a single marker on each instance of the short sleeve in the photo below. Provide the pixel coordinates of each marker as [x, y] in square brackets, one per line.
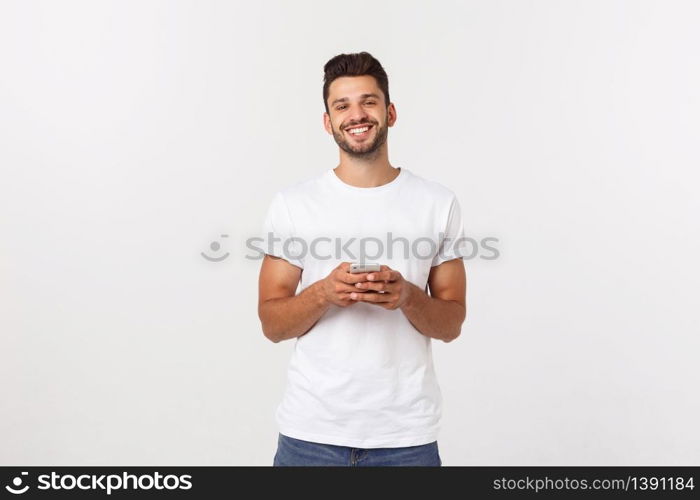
[279, 234]
[452, 236]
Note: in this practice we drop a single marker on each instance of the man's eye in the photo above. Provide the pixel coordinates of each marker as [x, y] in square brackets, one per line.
[340, 107]
[370, 102]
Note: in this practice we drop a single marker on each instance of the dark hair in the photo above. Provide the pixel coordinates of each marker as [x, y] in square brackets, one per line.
[359, 64]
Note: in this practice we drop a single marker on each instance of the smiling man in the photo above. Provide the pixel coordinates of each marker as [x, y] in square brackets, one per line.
[361, 388]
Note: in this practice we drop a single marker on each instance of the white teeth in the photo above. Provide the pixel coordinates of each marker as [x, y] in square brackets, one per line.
[359, 130]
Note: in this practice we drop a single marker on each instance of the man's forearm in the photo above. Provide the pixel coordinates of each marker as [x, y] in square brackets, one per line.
[288, 317]
[436, 318]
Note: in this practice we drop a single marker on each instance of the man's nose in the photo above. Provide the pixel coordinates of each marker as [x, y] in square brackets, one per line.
[358, 115]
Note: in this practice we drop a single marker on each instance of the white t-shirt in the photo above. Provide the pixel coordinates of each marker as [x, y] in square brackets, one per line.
[363, 375]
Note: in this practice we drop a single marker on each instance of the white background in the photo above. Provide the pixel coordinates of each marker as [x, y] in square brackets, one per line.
[134, 134]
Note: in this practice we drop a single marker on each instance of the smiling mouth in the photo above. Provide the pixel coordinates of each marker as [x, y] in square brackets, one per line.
[359, 132]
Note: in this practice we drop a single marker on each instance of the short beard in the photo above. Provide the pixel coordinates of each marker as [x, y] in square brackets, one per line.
[365, 152]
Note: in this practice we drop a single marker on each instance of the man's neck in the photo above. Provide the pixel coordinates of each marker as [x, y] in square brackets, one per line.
[360, 173]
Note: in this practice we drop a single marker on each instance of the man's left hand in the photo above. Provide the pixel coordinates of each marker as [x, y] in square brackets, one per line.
[391, 289]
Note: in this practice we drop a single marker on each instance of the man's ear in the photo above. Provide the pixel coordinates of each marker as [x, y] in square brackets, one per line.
[327, 122]
[391, 114]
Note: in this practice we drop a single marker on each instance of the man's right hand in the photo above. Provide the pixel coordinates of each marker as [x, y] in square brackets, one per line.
[340, 283]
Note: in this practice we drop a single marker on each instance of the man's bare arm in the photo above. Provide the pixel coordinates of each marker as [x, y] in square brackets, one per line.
[438, 316]
[442, 314]
[285, 315]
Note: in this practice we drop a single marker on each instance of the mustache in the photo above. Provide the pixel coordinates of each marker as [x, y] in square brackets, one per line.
[357, 125]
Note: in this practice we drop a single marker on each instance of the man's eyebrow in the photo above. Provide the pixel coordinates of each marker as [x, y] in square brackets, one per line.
[363, 96]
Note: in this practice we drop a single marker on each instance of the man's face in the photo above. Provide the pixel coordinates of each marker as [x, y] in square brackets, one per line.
[357, 102]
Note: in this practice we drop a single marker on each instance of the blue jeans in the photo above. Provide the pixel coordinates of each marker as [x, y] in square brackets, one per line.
[295, 452]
